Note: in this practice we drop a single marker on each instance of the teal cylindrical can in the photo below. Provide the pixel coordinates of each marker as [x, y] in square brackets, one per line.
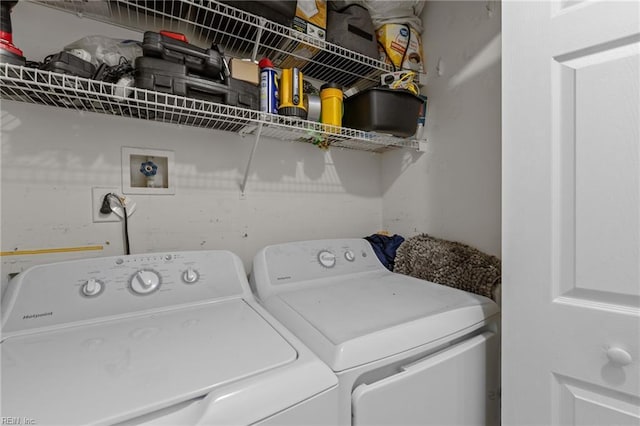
[268, 87]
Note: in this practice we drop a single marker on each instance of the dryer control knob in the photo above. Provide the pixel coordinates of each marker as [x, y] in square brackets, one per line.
[327, 259]
[350, 255]
[92, 287]
[190, 276]
[145, 281]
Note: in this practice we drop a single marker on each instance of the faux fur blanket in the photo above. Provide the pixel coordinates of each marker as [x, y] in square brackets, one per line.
[449, 263]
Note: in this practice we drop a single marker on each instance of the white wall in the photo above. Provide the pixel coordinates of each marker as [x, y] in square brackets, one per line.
[51, 158]
[453, 189]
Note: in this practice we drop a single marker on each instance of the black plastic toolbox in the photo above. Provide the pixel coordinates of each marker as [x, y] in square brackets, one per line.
[66, 63]
[383, 110]
[168, 77]
[205, 62]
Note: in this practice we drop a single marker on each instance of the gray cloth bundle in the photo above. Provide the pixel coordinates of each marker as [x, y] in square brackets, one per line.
[449, 263]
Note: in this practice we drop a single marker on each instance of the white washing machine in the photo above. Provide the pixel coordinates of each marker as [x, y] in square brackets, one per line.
[406, 351]
[169, 338]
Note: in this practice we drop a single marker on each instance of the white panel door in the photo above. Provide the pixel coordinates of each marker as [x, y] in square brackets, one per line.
[571, 213]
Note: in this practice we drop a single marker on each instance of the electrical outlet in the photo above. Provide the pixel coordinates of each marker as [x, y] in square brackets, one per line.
[97, 195]
[117, 212]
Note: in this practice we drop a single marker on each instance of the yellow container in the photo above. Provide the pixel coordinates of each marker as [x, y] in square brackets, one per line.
[290, 92]
[331, 100]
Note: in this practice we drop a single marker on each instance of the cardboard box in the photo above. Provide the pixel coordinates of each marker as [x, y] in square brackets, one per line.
[311, 18]
[245, 70]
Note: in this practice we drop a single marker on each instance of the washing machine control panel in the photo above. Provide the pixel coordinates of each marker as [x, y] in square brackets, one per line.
[300, 261]
[88, 289]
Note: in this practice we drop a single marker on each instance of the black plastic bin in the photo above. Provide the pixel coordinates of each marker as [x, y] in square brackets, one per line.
[383, 110]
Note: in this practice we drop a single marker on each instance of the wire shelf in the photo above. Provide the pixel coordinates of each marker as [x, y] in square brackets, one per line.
[239, 32]
[65, 91]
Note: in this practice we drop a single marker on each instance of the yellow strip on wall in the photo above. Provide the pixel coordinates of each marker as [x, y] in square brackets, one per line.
[51, 250]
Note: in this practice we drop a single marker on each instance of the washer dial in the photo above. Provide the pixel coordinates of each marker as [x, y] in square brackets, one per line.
[145, 281]
[190, 276]
[350, 255]
[92, 287]
[327, 259]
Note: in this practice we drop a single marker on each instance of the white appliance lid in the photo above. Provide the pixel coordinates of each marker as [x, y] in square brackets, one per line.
[116, 370]
[358, 319]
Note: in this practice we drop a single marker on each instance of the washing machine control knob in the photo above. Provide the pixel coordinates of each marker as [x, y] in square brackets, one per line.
[327, 259]
[145, 281]
[92, 287]
[190, 276]
[349, 255]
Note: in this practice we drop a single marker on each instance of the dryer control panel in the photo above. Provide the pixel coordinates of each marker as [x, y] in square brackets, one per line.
[288, 264]
[91, 289]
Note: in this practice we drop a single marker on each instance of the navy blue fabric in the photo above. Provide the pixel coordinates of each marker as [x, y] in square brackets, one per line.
[385, 248]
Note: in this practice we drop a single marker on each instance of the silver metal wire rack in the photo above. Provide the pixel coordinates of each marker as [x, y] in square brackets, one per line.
[65, 91]
[239, 32]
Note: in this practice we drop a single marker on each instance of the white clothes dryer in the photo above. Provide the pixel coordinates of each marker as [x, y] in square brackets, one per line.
[406, 351]
[168, 338]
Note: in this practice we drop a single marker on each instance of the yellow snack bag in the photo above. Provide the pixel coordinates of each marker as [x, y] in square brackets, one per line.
[401, 46]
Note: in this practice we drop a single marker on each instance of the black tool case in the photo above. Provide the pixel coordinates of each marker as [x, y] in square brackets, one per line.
[66, 63]
[205, 62]
[168, 77]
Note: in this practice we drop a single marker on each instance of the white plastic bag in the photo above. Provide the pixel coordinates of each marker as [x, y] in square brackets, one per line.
[106, 50]
[395, 12]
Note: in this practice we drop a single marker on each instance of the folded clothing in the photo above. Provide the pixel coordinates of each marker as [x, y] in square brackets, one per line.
[385, 247]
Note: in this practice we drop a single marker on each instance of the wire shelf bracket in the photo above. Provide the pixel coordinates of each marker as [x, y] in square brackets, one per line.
[247, 169]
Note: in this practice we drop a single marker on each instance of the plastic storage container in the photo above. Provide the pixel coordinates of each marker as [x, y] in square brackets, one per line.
[331, 110]
[383, 110]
